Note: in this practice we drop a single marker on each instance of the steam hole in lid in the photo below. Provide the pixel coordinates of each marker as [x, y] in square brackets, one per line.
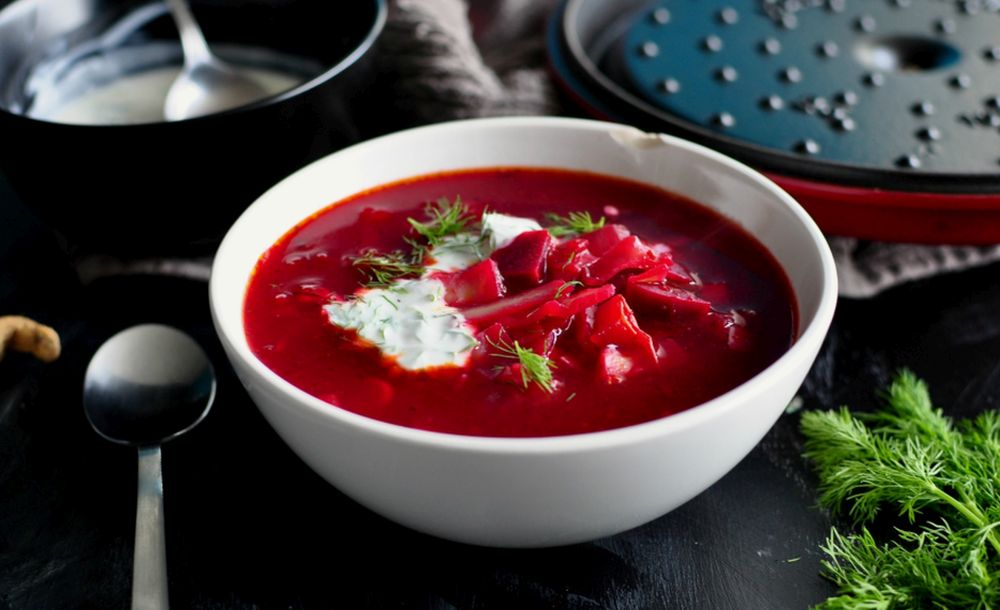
[906, 54]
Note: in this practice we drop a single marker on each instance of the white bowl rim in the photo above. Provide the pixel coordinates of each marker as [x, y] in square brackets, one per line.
[812, 333]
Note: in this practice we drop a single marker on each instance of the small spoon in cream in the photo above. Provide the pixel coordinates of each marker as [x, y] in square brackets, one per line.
[206, 84]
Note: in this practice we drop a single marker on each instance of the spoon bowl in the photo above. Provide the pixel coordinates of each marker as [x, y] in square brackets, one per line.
[147, 385]
[144, 386]
[206, 84]
[207, 88]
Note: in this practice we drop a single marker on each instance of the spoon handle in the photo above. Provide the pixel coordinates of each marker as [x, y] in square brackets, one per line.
[149, 565]
[192, 39]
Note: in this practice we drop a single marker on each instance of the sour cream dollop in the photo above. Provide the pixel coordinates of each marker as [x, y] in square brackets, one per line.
[410, 320]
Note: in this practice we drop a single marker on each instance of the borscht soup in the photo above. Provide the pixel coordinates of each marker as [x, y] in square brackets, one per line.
[516, 302]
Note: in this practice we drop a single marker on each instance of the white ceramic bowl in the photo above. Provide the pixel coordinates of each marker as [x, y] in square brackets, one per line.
[529, 492]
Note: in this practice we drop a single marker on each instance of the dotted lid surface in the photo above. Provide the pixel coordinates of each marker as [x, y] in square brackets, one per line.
[904, 85]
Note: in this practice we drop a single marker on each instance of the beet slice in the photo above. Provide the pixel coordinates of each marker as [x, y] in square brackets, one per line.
[485, 340]
[582, 326]
[539, 340]
[629, 253]
[480, 283]
[563, 310]
[606, 238]
[662, 272]
[589, 296]
[510, 307]
[615, 324]
[654, 297]
[549, 310]
[569, 259]
[522, 261]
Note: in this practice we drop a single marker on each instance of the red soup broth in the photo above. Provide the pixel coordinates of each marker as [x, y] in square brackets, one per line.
[698, 355]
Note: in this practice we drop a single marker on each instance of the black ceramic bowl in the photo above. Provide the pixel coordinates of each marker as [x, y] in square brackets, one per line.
[173, 188]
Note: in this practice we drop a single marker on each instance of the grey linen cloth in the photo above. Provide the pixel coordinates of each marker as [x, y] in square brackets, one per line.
[442, 60]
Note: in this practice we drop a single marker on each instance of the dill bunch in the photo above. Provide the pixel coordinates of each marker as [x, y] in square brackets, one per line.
[943, 477]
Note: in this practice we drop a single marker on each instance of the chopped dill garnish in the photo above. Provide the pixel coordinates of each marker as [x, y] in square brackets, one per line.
[445, 218]
[465, 242]
[576, 223]
[534, 367]
[569, 261]
[562, 289]
[571, 397]
[381, 268]
[390, 301]
[418, 251]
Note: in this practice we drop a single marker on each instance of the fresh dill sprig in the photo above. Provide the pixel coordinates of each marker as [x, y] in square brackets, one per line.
[943, 477]
[444, 218]
[575, 223]
[534, 367]
[382, 268]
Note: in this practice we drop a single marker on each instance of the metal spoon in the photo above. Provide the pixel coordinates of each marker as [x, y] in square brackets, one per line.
[206, 84]
[144, 386]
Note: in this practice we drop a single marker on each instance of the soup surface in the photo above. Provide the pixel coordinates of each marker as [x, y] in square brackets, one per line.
[517, 302]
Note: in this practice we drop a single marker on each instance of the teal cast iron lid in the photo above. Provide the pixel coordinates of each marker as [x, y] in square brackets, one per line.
[887, 93]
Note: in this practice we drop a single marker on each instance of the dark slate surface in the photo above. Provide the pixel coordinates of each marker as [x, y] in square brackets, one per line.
[249, 526]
